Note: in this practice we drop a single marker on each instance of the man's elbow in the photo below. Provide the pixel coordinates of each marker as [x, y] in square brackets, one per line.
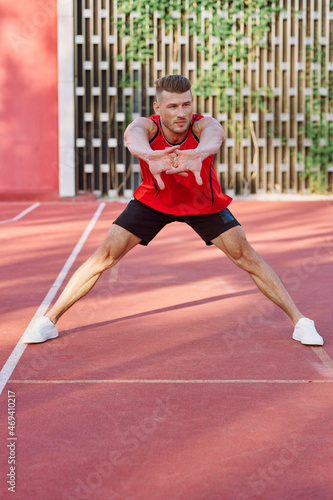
[220, 137]
[222, 133]
[127, 132]
[219, 131]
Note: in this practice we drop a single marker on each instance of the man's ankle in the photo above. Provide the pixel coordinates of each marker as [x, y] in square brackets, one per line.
[296, 319]
[51, 318]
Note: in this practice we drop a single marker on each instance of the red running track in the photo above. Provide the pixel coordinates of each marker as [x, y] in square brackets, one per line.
[174, 379]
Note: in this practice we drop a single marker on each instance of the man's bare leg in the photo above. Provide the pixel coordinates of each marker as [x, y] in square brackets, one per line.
[118, 242]
[235, 245]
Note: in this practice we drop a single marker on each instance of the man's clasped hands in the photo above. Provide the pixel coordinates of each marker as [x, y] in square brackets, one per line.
[175, 161]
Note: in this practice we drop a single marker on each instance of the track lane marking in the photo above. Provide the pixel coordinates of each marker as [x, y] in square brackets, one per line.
[20, 347]
[323, 356]
[151, 381]
[325, 359]
[22, 214]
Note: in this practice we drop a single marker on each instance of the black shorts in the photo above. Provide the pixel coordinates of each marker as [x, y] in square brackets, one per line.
[145, 222]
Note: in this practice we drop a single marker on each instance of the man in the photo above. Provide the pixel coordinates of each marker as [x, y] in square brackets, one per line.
[176, 149]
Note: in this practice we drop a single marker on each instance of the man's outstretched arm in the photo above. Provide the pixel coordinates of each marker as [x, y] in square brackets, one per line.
[137, 137]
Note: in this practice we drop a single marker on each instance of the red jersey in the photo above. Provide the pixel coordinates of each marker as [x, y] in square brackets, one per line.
[182, 195]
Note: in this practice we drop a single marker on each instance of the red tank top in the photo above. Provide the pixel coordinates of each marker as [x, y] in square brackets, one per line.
[182, 195]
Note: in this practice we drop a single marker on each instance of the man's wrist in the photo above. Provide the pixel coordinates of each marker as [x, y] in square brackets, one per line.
[147, 155]
[202, 155]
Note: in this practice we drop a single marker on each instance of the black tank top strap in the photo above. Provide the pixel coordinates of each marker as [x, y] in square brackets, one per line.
[157, 131]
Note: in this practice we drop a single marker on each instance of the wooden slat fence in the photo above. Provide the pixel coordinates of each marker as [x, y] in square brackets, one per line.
[271, 142]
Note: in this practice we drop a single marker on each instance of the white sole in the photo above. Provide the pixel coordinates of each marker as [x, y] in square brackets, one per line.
[39, 341]
[320, 342]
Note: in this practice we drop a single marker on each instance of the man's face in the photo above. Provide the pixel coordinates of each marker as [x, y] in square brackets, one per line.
[175, 111]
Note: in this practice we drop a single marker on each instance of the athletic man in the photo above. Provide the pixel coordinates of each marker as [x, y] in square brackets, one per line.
[175, 148]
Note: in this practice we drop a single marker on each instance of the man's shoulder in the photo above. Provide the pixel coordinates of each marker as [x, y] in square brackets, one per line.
[145, 123]
[154, 118]
[205, 121]
[196, 117]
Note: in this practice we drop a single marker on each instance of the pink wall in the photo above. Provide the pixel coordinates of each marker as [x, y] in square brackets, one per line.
[28, 98]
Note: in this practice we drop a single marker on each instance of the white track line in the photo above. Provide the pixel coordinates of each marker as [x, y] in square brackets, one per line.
[324, 357]
[15, 356]
[149, 381]
[22, 214]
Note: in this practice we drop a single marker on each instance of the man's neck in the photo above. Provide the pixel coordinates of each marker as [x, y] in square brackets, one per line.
[172, 137]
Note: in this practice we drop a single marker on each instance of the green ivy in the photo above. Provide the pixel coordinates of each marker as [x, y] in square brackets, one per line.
[258, 14]
[137, 24]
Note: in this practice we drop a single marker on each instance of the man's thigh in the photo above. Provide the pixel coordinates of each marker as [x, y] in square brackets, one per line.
[211, 226]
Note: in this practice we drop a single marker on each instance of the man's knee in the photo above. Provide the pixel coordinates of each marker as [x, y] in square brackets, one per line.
[106, 256]
[118, 242]
[244, 256]
[241, 252]
[235, 245]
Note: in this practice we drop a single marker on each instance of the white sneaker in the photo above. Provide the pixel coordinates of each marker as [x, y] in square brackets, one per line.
[42, 330]
[305, 331]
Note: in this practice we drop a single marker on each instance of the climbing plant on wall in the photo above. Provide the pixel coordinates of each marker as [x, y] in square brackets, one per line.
[230, 35]
[217, 26]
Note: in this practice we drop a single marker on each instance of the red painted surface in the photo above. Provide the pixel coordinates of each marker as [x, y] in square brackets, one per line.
[173, 310]
[28, 99]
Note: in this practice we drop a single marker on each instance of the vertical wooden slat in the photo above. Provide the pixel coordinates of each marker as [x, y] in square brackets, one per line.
[325, 70]
[253, 117]
[278, 135]
[97, 178]
[291, 99]
[251, 170]
[299, 82]
[268, 120]
[231, 140]
[309, 89]
[79, 92]
[88, 115]
[284, 109]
